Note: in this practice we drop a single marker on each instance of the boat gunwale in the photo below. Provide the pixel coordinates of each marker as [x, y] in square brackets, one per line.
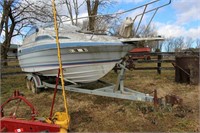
[74, 63]
[77, 45]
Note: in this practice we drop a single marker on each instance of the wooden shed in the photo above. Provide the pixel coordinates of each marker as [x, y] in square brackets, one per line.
[187, 68]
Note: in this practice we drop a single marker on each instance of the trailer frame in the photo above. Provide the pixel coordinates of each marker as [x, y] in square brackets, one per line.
[109, 90]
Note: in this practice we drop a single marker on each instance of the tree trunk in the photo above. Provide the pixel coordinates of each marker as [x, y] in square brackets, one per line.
[2, 21]
[5, 47]
[92, 12]
[69, 8]
[8, 36]
[4, 56]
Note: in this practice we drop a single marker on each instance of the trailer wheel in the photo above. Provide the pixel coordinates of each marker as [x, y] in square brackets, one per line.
[28, 84]
[34, 89]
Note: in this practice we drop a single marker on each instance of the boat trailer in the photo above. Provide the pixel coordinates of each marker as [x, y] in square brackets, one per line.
[35, 83]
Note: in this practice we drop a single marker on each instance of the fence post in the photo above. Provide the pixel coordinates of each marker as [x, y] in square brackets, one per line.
[159, 63]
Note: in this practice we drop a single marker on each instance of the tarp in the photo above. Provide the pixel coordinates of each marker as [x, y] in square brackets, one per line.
[126, 28]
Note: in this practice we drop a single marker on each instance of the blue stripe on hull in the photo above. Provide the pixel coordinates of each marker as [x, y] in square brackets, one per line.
[77, 63]
[64, 45]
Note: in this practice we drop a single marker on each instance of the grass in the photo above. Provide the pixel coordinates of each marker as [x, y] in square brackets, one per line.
[91, 113]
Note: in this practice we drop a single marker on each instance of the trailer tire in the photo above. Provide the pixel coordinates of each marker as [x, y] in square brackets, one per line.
[28, 84]
[34, 89]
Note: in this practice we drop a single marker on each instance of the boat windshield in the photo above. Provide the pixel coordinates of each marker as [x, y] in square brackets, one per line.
[43, 37]
[32, 31]
[47, 37]
[61, 37]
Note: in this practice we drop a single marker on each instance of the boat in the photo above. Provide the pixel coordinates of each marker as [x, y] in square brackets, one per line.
[86, 56]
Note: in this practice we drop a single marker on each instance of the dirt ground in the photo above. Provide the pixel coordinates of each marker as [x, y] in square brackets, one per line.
[91, 113]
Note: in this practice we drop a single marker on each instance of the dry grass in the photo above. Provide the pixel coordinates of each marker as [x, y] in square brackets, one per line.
[91, 113]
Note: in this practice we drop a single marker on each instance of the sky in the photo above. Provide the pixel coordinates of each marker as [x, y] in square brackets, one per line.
[180, 18]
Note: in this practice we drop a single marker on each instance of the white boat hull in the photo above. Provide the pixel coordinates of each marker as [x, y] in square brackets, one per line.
[83, 64]
[88, 73]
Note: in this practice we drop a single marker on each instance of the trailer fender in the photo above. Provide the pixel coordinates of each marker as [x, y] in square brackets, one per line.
[36, 79]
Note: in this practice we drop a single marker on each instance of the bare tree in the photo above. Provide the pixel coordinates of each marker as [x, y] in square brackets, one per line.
[92, 8]
[73, 7]
[175, 44]
[198, 43]
[103, 23]
[5, 6]
[169, 44]
[188, 42]
[178, 44]
[145, 31]
[149, 31]
[16, 16]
